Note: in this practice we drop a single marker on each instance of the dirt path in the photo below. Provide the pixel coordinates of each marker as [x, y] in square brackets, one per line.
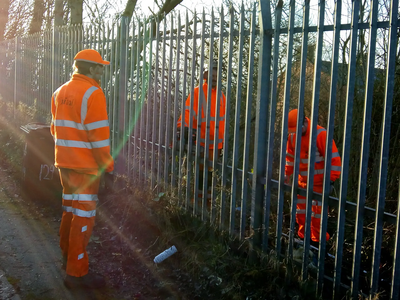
[124, 243]
[29, 252]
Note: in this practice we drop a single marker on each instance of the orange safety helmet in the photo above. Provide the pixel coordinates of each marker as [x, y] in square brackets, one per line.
[91, 56]
[292, 121]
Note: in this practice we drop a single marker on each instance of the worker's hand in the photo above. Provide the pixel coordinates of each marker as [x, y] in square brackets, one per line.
[287, 179]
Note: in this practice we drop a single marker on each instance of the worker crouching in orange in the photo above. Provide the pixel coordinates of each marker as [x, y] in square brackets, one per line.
[200, 118]
[303, 171]
[82, 152]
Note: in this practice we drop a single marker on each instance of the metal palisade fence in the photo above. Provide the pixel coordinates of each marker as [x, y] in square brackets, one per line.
[334, 61]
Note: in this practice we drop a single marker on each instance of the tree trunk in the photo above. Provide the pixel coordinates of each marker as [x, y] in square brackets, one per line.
[4, 5]
[129, 8]
[76, 7]
[37, 18]
[59, 12]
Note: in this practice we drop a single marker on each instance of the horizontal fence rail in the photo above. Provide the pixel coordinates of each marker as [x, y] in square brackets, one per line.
[336, 64]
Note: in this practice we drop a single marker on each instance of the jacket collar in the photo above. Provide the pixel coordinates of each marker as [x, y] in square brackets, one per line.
[81, 77]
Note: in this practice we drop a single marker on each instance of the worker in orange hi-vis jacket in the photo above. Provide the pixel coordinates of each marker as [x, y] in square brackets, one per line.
[82, 153]
[201, 117]
[303, 171]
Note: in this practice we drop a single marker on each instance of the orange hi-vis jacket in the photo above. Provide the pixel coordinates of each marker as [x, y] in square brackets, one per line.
[319, 159]
[213, 118]
[80, 126]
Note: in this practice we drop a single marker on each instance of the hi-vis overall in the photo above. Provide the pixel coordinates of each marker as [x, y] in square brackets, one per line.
[318, 176]
[82, 151]
[200, 119]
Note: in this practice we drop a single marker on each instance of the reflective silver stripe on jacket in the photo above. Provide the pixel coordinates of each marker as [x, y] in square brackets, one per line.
[85, 99]
[73, 144]
[316, 216]
[79, 126]
[300, 211]
[68, 196]
[321, 171]
[290, 155]
[316, 203]
[289, 163]
[80, 144]
[67, 208]
[97, 125]
[83, 213]
[301, 201]
[101, 144]
[69, 124]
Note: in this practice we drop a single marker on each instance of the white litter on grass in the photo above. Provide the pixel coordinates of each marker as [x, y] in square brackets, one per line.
[164, 255]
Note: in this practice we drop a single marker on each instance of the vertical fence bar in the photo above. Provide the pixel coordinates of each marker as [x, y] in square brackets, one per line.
[121, 162]
[182, 146]
[328, 150]
[284, 129]
[396, 261]
[351, 81]
[167, 154]
[214, 179]
[131, 112]
[154, 134]
[300, 117]
[385, 144]
[55, 59]
[16, 75]
[138, 106]
[149, 104]
[270, 111]
[189, 187]
[249, 104]
[208, 117]
[199, 113]
[313, 136]
[365, 150]
[142, 164]
[162, 110]
[176, 104]
[236, 133]
[261, 125]
[224, 170]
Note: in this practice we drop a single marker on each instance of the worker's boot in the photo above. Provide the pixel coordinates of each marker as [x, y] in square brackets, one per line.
[89, 281]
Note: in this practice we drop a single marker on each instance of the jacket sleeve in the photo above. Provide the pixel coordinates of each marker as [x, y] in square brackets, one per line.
[98, 131]
[336, 163]
[289, 157]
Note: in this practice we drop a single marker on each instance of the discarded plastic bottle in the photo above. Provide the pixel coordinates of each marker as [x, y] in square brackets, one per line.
[164, 255]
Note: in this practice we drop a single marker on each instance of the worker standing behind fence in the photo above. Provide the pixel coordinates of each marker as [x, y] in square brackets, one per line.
[303, 171]
[202, 119]
[82, 152]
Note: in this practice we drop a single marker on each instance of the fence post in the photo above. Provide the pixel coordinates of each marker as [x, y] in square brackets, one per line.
[263, 91]
[55, 61]
[122, 88]
[16, 74]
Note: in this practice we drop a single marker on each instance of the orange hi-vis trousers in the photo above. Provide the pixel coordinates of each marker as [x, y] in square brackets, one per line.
[79, 211]
[315, 215]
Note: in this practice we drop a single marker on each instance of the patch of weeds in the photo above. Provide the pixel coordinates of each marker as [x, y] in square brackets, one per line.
[220, 266]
